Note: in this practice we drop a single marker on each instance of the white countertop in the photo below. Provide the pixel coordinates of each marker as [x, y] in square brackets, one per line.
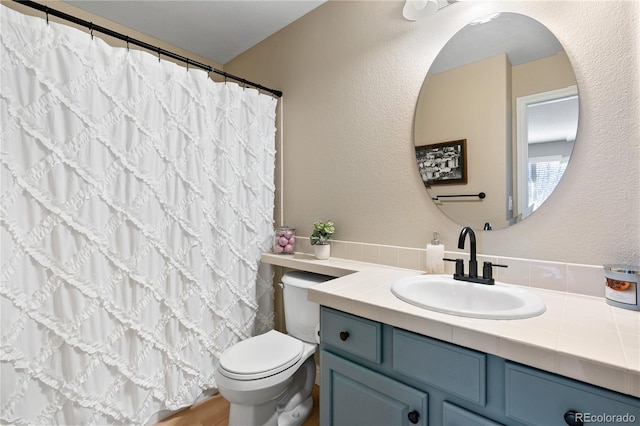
[578, 336]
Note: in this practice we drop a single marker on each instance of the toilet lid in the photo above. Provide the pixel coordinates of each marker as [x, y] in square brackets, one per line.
[261, 356]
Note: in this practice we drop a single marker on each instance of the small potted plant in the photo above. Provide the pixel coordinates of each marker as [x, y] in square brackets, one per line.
[322, 232]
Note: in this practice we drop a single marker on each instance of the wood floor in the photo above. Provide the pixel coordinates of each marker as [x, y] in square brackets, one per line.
[214, 411]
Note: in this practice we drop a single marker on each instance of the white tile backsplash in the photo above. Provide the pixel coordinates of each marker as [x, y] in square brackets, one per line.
[355, 252]
[585, 279]
[516, 272]
[389, 255]
[410, 258]
[548, 275]
[339, 249]
[563, 277]
[370, 253]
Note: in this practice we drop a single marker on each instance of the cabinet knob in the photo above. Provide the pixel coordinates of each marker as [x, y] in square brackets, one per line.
[571, 420]
[414, 417]
[344, 335]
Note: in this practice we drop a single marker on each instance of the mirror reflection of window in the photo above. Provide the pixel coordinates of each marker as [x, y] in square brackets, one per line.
[544, 175]
[544, 145]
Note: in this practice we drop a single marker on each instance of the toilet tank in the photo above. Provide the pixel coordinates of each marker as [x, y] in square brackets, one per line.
[300, 315]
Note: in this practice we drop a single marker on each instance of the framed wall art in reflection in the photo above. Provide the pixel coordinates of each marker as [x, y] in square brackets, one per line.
[443, 163]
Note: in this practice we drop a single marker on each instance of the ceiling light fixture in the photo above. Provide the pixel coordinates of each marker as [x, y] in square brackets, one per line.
[416, 9]
[485, 19]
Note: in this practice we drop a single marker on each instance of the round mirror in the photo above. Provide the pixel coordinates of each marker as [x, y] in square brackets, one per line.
[496, 121]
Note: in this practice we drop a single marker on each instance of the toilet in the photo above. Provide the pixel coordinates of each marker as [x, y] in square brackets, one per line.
[268, 379]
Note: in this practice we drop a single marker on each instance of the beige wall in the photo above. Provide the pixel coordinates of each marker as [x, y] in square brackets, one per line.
[552, 72]
[470, 102]
[351, 72]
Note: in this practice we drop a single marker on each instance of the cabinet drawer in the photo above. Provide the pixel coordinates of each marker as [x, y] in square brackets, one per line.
[452, 415]
[352, 395]
[358, 336]
[538, 398]
[451, 368]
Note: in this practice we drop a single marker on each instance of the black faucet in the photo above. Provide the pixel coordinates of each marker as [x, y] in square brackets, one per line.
[473, 263]
[487, 270]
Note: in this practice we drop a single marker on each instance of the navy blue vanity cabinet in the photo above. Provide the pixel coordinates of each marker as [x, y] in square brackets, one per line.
[358, 396]
[373, 374]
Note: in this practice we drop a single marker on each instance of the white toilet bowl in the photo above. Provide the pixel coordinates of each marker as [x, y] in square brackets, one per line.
[268, 379]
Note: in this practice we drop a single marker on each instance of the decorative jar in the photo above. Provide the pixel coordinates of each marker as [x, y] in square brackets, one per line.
[284, 240]
[623, 286]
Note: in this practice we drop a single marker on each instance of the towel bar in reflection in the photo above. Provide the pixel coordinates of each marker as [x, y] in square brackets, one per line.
[481, 195]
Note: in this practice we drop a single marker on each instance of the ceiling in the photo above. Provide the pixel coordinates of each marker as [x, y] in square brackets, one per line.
[521, 38]
[218, 30]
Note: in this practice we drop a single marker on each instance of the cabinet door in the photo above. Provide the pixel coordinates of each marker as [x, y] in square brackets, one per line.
[454, 369]
[358, 336]
[536, 397]
[352, 395]
[452, 415]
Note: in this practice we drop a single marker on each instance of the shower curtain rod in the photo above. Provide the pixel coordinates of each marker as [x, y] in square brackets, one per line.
[91, 26]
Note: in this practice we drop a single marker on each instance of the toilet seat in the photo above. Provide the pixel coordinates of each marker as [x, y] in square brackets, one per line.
[260, 356]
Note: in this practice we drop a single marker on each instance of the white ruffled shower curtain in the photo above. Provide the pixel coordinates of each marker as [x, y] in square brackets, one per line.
[136, 199]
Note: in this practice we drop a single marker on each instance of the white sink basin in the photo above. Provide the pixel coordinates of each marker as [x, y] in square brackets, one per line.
[442, 293]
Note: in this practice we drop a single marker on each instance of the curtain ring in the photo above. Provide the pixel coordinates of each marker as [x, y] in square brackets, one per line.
[91, 31]
[46, 12]
[127, 43]
[158, 54]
